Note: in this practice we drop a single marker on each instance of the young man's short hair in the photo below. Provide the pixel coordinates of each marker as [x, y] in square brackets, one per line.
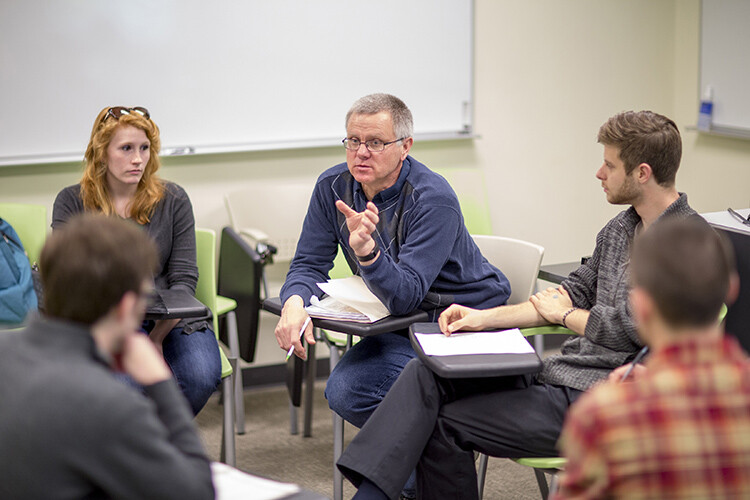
[645, 137]
[90, 263]
[686, 267]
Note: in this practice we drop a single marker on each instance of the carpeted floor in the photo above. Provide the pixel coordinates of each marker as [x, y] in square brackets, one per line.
[267, 449]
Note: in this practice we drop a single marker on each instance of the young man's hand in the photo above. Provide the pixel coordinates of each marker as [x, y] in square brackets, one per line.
[141, 360]
[458, 317]
[552, 304]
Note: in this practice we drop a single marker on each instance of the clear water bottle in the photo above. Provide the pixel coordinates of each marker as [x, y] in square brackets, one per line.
[705, 116]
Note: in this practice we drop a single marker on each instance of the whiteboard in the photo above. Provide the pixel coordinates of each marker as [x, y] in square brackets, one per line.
[226, 75]
[725, 61]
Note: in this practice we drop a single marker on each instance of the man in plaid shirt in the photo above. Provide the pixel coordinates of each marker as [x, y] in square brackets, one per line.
[680, 426]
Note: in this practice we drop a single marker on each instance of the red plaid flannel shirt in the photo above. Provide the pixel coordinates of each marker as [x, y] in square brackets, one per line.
[680, 431]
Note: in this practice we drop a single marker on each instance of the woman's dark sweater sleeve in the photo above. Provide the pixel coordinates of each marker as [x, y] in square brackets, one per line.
[67, 204]
[181, 270]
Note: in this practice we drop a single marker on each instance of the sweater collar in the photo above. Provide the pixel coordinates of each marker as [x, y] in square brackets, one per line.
[678, 207]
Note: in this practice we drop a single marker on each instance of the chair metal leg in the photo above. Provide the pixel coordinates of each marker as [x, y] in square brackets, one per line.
[541, 480]
[293, 428]
[539, 344]
[553, 483]
[338, 435]
[295, 371]
[334, 359]
[264, 282]
[228, 455]
[338, 449]
[481, 473]
[234, 349]
[309, 391]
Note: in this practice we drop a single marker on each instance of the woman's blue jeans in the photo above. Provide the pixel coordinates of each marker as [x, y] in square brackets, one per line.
[195, 363]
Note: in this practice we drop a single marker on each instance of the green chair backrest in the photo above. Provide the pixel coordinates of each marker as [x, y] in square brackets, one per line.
[340, 267]
[205, 291]
[470, 187]
[30, 222]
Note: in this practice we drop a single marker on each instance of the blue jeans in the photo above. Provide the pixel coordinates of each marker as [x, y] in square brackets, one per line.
[195, 363]
[363, 376]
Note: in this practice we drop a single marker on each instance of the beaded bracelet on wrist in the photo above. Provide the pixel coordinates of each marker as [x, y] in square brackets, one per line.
[566, 315]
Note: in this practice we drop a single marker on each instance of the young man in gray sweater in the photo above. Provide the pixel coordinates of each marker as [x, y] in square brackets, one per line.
[68, 428]
[437, 423]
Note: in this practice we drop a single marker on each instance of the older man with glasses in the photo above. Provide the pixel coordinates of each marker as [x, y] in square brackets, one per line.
[400, 228]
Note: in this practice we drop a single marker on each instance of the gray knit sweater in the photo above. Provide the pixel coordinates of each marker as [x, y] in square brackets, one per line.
[172, 227]
[601, 286]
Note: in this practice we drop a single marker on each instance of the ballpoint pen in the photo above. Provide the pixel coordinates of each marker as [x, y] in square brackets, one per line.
[739, 216]
[301, 332]
[638, 357]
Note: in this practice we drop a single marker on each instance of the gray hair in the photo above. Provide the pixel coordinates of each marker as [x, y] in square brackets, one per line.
[403, 124]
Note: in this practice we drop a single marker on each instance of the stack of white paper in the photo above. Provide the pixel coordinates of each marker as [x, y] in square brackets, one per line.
[330, 308]
[504, 342]
[233, 484]
[348, 299]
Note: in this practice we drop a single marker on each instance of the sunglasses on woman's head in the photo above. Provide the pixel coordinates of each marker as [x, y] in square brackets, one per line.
[117, 111]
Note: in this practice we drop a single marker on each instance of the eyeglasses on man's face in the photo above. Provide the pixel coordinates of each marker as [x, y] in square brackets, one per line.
[373, 145]
[117, 111]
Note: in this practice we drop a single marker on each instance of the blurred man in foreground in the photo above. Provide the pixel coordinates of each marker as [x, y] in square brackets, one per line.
[68, 427]
[680, 426]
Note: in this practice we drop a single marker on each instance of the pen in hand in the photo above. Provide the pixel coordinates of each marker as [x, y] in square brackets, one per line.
[301, 333]
[638, 357]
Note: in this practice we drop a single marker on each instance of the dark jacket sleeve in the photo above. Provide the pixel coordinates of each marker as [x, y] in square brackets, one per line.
[181, 270]
[67, 204]
[316, 250]
[149, 454]
[403, 285]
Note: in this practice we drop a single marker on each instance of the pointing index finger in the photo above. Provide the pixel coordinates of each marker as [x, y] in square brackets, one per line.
[345, 209]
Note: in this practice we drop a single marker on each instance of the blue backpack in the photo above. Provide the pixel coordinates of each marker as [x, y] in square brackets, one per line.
[17, 296]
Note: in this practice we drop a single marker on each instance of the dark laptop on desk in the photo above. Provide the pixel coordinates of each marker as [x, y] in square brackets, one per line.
[473, 365]
[165, 304]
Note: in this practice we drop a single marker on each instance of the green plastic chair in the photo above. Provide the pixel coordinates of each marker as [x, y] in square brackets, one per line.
[545, 465]
[30, 222]
[541, 465]
[205, 291]
[520, 261]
